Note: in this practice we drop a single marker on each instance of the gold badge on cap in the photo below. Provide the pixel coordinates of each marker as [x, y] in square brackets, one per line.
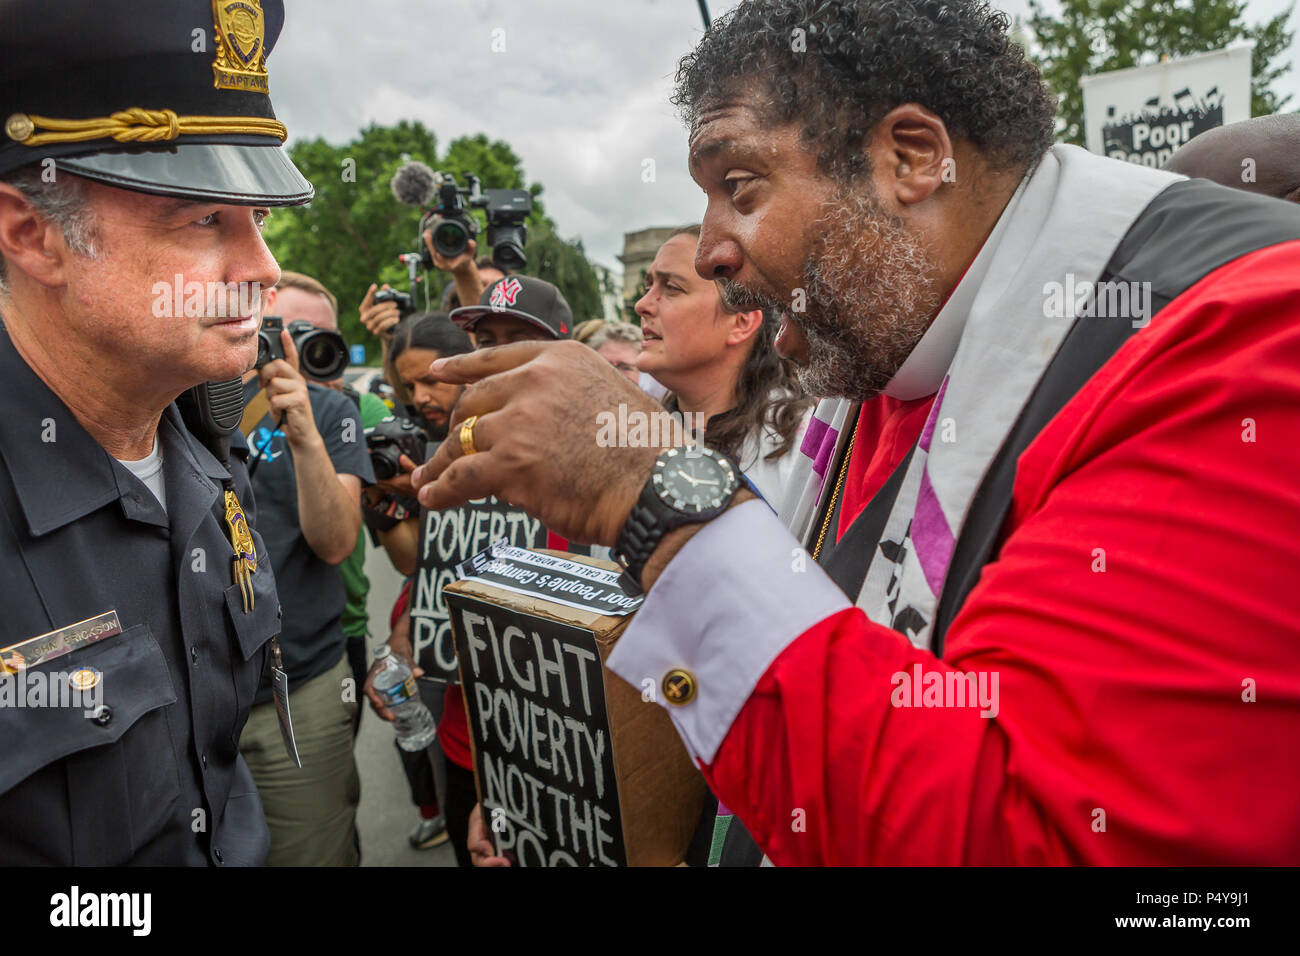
[241, 46]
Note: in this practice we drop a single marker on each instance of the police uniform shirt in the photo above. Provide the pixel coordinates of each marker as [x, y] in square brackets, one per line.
[154, 777]
[311, 590]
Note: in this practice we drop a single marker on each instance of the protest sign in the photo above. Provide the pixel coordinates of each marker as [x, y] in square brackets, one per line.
[551, 577]
[448, 538]
[574, 766]
[1144, 113]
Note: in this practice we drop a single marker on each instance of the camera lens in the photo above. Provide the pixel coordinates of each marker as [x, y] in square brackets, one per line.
[263, 349]
[322, 355]
[508, 255]
[507, 241]
[450, 238]
[316, 356]
[383, 464]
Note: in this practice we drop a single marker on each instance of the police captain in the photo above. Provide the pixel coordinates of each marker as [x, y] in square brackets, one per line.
[138, 150]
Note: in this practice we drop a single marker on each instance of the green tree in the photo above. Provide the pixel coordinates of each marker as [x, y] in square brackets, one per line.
[1095, 36]
[564, 264]
[352, 232]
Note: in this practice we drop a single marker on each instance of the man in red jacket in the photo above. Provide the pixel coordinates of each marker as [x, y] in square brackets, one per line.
[1054, 513]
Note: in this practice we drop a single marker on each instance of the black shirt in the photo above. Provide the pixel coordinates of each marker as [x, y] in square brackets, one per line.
[160, 780]
[312, 591]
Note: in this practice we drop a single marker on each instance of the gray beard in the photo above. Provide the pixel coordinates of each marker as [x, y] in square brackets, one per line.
[871, 292]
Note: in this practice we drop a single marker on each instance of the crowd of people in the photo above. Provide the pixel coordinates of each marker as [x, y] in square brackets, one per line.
[690, 351]
[942, 480]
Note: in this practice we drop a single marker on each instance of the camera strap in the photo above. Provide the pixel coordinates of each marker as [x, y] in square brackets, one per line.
[254, 412]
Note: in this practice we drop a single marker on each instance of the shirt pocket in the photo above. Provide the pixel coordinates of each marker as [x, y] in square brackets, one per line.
[255, 627]
[253, 633]
[118, 782]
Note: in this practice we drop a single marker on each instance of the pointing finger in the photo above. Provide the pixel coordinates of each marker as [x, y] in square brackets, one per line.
[472, 366]
[465, 479]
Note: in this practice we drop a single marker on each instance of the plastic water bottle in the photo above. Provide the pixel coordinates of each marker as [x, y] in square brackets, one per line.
[415, 727]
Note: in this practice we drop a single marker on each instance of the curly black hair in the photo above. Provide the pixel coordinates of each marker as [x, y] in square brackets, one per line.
[838, 66]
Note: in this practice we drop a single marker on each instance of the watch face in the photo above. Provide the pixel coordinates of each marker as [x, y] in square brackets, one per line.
[696, 482]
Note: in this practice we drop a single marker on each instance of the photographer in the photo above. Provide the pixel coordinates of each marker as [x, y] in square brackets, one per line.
[468, 280]
[308, 463]
[417, 341]
[302, 297]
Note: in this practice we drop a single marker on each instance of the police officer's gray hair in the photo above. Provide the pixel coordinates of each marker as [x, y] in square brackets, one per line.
[615, 332]
[62, 203]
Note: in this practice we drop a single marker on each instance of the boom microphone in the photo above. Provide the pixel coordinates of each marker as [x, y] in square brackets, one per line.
[414, 184]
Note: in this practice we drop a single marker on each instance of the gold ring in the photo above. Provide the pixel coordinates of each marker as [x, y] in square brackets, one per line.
[467, 435]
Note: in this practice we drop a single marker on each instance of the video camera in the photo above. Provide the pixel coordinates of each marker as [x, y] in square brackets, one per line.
[506, 209]
[322, 354]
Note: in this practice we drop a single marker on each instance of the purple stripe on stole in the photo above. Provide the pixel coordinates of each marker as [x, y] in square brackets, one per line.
[931, 535]
[817, 446]
[927, 433]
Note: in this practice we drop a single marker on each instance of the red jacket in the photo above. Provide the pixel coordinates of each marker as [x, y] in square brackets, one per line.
[1140, 615]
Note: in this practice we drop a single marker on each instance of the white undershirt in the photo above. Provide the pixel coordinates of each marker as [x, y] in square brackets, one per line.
[150, 471]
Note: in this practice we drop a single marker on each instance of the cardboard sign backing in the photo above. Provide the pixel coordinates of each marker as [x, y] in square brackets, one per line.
[573, 767]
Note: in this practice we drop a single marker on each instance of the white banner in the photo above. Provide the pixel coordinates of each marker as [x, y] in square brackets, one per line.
[1142, 114]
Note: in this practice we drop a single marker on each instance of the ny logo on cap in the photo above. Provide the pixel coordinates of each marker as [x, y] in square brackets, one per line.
[505, 292]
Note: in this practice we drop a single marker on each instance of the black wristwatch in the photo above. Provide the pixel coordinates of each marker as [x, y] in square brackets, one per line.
[686, 485]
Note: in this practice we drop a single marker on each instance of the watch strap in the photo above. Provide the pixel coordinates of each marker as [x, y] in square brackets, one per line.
[641, 534]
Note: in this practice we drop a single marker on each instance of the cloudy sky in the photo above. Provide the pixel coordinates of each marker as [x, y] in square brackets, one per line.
[580, 91]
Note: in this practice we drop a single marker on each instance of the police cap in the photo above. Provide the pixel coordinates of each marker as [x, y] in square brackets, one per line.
[159, 96]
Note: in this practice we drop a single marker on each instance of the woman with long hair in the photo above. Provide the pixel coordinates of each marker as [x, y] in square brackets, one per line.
[721, 364]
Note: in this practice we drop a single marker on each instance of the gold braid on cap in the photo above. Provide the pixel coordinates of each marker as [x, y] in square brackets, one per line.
[134, 125]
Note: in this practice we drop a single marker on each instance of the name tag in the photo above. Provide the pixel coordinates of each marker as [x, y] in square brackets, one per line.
[64, 640]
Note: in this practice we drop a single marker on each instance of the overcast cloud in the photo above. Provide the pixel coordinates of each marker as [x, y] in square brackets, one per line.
[580, 92]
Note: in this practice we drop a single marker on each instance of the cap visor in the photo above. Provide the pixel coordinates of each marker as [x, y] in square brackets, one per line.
[467, 316]
[220, 172]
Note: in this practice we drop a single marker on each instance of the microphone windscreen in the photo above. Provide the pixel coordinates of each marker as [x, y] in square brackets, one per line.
[414, 184]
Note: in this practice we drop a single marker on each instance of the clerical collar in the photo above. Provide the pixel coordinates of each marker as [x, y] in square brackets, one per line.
[923, 370]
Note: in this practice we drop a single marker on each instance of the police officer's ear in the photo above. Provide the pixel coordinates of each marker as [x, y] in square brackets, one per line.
[30, 243]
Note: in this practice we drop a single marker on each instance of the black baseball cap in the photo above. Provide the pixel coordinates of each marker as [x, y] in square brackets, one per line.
[534, 301]
[169, 97]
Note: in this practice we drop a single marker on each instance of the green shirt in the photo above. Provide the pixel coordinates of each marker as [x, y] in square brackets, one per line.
[355, 618]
